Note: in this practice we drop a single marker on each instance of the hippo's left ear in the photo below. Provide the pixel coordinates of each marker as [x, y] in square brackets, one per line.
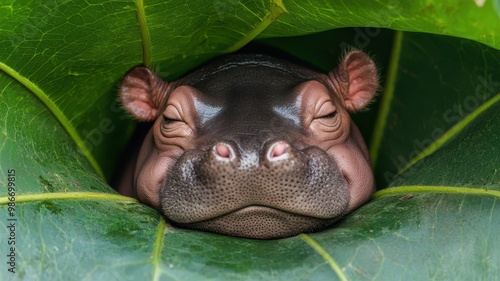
[142, 93]
[355, 79]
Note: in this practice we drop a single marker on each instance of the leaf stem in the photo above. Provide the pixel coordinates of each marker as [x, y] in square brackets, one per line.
[146, 37]
[277, 8]
[68, 196]
[54, 109]
[326, 256]
[435, 189]
[387, 97]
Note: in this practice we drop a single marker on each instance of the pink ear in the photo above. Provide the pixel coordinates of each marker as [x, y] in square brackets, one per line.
[142, 93]
[355, 79]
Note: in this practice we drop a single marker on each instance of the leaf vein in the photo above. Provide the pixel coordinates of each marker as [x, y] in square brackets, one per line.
[277, 8]
[326, 256]
[387, 96]
[68, 196]
[158, 245]
[146, 37]
[453, 131]
[54, 109]
[435, 189]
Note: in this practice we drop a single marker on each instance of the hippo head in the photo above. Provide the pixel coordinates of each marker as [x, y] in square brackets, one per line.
[253, 146]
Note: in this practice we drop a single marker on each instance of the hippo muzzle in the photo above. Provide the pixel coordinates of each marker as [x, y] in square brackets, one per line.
[275, 192]
[253, 146]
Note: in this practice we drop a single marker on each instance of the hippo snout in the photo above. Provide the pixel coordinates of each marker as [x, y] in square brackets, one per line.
[274, 192]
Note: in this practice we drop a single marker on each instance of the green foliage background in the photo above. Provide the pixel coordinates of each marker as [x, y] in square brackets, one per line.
[434, 137]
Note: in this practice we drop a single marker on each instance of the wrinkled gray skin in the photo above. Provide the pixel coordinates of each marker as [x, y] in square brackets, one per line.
[253, 146]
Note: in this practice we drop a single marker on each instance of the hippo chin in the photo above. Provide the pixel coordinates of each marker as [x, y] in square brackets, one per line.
[253, 146]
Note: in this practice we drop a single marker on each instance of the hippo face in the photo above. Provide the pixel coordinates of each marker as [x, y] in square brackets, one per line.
[253, 146]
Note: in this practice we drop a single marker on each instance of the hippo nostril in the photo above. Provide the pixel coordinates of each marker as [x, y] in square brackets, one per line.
[278, 150]
[224, 150]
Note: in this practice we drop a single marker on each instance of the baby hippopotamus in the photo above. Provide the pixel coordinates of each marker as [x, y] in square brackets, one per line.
[253, 146]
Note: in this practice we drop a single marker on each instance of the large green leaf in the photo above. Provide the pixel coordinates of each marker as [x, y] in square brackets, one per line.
[435, 139]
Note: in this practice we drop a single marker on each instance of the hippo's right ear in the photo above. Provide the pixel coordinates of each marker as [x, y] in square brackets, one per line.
[355, 79]
[142, 93]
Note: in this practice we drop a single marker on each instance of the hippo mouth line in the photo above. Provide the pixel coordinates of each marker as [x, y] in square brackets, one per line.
[248, 210]
[260, 222]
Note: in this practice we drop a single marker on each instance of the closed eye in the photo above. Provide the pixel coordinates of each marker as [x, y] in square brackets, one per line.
[167, 120]
[329, 115]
